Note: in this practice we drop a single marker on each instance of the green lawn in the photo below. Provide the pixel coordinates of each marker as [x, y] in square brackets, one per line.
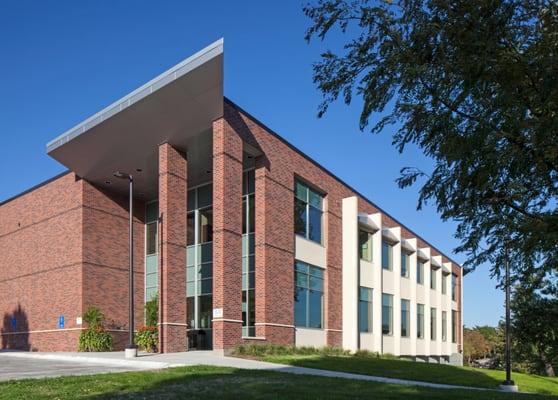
[437, 373]
[204, 382]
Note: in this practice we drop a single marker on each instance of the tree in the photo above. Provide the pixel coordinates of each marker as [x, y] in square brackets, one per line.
[535, 325]
[475, 345]
[472, 83]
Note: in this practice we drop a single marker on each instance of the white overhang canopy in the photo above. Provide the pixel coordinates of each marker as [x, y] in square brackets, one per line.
[178, 107]
[366, 221]
[406, 245]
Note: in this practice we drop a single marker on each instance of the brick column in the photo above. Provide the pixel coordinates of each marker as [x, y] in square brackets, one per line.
[172, 265]
[227, 235]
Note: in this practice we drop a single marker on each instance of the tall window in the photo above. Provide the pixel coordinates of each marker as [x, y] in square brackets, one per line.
[432, 324]
[453, 286]
[387, 256]
[405, 318]
[151, 250]
[365, 309]
[432, 278]
[444, 326]
[420, 272]
[405, 264]
[199, 258]
[453, 326]
[365, 245]
[387, 314]
[309, 294]
[420, 321]
[308, 212]
[444, 283]
[248, 255]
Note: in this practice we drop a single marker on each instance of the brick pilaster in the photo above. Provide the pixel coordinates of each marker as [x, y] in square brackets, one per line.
[227, 235]
[172, 240]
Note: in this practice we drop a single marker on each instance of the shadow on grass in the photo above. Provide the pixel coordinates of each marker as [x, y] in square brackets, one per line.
[203, 382]
[399, 369]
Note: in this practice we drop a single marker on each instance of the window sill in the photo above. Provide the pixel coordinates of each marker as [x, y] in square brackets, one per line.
[309, 328]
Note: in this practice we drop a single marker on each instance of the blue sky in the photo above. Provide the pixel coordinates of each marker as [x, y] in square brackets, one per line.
[61, 61]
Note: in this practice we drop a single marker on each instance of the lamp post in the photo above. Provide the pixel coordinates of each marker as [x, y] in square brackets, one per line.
[508, 384]
[131, 349]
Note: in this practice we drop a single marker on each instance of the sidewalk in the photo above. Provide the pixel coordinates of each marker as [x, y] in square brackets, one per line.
[146, 361]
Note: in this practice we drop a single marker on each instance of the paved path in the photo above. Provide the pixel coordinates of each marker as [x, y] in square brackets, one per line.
[25, 365]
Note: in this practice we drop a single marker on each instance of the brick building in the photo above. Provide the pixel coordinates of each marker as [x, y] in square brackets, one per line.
[243, 238]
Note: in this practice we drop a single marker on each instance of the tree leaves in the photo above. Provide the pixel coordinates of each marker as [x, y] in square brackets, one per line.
[474, 85]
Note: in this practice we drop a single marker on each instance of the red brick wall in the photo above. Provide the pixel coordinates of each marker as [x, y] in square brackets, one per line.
[172, 253]
[227, 235]
[41, 266]
[105, 258]
[276, 171]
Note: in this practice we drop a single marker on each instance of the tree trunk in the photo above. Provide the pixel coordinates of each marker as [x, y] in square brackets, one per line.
[548, 368]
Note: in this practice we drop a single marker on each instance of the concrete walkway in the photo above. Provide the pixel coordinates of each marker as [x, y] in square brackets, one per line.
[145, 361]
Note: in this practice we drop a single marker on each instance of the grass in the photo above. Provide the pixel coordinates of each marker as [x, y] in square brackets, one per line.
[204, 382]
[367, 363]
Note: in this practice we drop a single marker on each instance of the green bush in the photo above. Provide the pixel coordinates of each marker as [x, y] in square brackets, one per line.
[94, 338]
[147, 338]
[152, 311]
[270, 349]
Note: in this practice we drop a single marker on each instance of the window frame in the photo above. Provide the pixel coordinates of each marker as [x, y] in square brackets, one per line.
[248, 253]
[369, 244]
[420, 275]
[444, 283]
[420, 321]
[370, 309]
[407, 257]
[389, 247]
[309, 190]
[307, 291]
[152, 220]
[432, 278]
[390, 308]
[433, 324]
[407, 318]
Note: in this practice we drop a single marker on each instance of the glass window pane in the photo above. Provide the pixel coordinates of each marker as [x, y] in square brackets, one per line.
[315, 199]
[190, 253]
[205, 271]
[151, 280]
[405, 320]
[251, 214]
[301, 267]
[365, 316]
[387, 256]
[301, 279]
[316, 283]
[301, 191]
[420, 273]
[244, 222]
[365, 294]
[432, 324]
[151, 212]
[150, 293]
[190, 289]
[387, 314]
[420, 321]
[205, 194]
[151, 264]
[252, 280]
[190, 229]
[191, 199]
[205, 311]
[190, 274]
[315, 271]
[300, 217]
[365, 245]
[151, 238]
[206, 286]
[315, 225]
[315, 309]
[206, 252]
[300, 306]
[206, 225]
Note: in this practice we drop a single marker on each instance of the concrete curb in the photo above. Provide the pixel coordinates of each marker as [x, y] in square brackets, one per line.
[90, 360]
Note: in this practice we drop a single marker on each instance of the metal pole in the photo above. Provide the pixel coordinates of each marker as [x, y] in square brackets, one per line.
[131, 344]
[508, 380]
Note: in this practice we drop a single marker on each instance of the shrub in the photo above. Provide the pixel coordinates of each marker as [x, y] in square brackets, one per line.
[94, 338]
[270, 349]
[147, 338]
[152, 311]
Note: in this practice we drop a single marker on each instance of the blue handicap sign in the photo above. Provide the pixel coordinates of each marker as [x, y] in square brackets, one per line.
[61, 321]
[14, 323]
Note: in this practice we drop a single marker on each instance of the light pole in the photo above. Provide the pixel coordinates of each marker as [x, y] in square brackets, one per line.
[131, 349]
[508, 384]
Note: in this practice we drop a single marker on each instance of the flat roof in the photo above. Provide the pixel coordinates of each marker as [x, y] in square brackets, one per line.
[177, 106]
